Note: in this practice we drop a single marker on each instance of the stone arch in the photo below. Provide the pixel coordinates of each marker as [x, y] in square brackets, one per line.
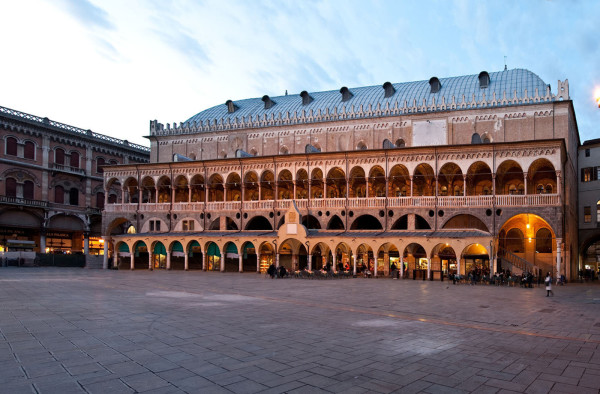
[311, 222]
[259, 222]
[293, 254]
[316, 183]
[366, 222]
[181, 189]
[336, 183]
[542, 177]
[267, 184]
[443, 259]
[131, 188]
[510, 178]
[399, 181]
[479, 179]
[148, 190]
[285, 185]
[450, 180]
[233, 187]
[358, 182]
[216, 188]
[251, 185]
[423, 180]
[213, 257]
[415, 261]
[321, 255]
[465, 221]
[163, 185]
[301, 184]
[198, 188]
[377, 182]
[335, 223]
[231, 260]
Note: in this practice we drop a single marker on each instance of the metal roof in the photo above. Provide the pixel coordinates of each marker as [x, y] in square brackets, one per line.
[521, 83]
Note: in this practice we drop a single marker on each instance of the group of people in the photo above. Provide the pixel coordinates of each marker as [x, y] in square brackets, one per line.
[273, 271]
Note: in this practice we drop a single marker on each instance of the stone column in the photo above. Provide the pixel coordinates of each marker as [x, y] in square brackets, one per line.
[257, 262]
[204, 261]
[222, 262]
[324, 187]
[156, 193]
[411, 186]
[259, 192]
[185, 261]
[140, 195]
[132, 261]
[42, 242]
[558, 183]
[150, 260]
[105, 256]
[309, 257]
[493, 184]
[401, 265]
[334, 261]
[115, 256]
[189, 193]
[276, 260]
[106, 191]
[525, 180]
[294, 195]
[353, 258]
[558, 257]
[464, 185]
[168, 260]
[86, 243]
[241, 263]
[428, 268]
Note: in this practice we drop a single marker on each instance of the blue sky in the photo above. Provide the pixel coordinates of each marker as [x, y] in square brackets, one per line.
[113, 65]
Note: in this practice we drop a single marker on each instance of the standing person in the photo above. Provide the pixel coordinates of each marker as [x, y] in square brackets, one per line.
[272, 271]
[548, 282]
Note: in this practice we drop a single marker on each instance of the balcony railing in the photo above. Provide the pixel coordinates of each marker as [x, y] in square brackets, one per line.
[69, 169]
[23, 201]
[353, 203]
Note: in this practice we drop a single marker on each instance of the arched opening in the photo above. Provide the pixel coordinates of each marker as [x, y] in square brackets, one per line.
[543, 241]
[251, 185]
[159, 256]
[182, 192]
[164, 189]
[465, 221]
[476, 139]
[285, 185]
[358, 183]
[232, 258]
[423, 180]
[514, 241]
[321, 257]
[177, 256]
[443, 260]
[400, 143]
[335, 223]
[194, 256]
[123, 258]
[213, 257]
[476, 262]
[336, 183]
[148, 190]
[366, 222]
[542, 177]
[74, 196]
[267, 256]
[131, 191]
[450, 180]
[509, 178]
[421, 223]
[267, 184]
[233, 187]
[415, 261]
[216, 190]
[399, 181]
[401, 223]
[388, 260]
[293, 255]
[259, 223]
[198, 190]
[248, 257]
[311, 222]
[316, 184]
[11, 146]
[342, 257]
[479, 179]
[365, 260]
[301, 184]
[140, 258]
[377, 182]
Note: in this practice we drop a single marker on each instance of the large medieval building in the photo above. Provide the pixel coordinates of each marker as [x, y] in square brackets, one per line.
[435, 177]
[51, 184]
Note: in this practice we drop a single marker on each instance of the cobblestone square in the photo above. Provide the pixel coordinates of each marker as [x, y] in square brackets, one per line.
[92, 331]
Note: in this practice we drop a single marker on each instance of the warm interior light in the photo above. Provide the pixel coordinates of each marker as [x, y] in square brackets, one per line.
[530, 239]
[528, 225]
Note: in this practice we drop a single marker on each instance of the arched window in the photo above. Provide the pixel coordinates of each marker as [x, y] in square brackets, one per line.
[29, 150]
[74, 161]
[59, 195]
[540, 189]
[100, 200]
[99, 163]
[549, 189]
[361, 146]
[11, 187]
[475, 139]
[400, 143]
[74, 196]
[515, 242]
[112, 198]
[59, 156]
[28, 190]
[521, 189]
[11, 146]
[543, 241]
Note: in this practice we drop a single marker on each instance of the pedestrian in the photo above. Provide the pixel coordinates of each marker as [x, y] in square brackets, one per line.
[272, 271]
[548, 282]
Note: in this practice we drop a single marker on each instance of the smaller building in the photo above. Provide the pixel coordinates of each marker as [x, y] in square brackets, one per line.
[589, 207]
[51, 183]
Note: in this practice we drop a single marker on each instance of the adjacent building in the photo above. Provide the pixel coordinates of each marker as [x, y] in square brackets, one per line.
[589, 207]
[51, 183]
[447, 175]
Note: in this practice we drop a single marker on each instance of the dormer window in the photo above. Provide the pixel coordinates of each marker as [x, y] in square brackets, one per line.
[268, 102]
[484, 79]
[231, 107]
[435, 85]
[346, 94]
[388, 89]
[306, 98]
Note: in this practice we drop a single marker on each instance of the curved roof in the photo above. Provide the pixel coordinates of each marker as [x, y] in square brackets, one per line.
[508, 83]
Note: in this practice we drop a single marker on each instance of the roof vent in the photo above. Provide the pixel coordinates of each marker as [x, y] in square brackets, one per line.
[484, 79]
[231, 107]
[435, 84]
[389, 89]
[346, 94]
[306, 98]
[268, 102]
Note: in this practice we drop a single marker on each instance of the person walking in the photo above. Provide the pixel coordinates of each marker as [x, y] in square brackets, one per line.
[548, 282]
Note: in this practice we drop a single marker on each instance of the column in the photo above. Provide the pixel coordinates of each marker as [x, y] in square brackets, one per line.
[42, 242]
[525, 179]
[334, 261]
[294, 262]
[106, 197]
[492, 265]
[155, 195]
[115, 260]
[276, 260]
[411, 186]
[458, 266]
[168, 260]
[558, 257]
[222, 262]
[309, 257]
[140, 195]
[241, 263]
[86, 243]
[185, 261]
[173, 190]
[464, 185]
[150, 260]
[259, 192]
[123, 196]
[558, 184]
[204, 260]
[402, 265]
[189, 193]
[324, 187]
[353, 258]
[105, 256]
[257, 262]
[494, 184]
[428, 269]
[366, 186]
[132, 261]
[294, 195]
